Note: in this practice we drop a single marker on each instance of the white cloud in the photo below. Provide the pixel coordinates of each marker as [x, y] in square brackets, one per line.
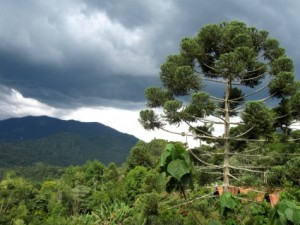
[61, 33]
[110, 42]
[125, 121]
[14, 104]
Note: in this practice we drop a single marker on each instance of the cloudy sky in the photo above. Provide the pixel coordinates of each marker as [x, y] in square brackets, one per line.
[91, 60]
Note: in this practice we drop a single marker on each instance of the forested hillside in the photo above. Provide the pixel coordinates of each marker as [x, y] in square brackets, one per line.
[28, 140]
[136, 193]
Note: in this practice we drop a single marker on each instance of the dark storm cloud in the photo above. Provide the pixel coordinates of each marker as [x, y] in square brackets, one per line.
[54, 57]
[279, 18]
[88, 52]
[79, 84]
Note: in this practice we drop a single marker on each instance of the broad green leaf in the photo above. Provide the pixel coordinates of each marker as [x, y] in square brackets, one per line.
[175, 153]
[165, 154]
[178, 168]
[187, 181]
[283, 220]
[227, 201]
[163, 158]
[296, 217]
[187, 159]
[289, 213]
[169, 147]
[230, 203]
[290, 204]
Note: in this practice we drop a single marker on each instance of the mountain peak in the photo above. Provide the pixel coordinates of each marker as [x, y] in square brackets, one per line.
[34, 127]
[61, 142]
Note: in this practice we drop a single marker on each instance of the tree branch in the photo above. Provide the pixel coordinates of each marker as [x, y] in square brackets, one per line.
[266, 98]
[217, 99]
[220, 118]
[173, 132]
[252, 93]
[254, 149]
[295, 139]
[257, 69]
[200, 160]
[211, 80]
[256, 167]
[210, 195]
[242, 134]
[208, 168]
[248, 155]
[236, 109]
[250, 140]
[213, 173]
[279, 117]
[245, 169]
[253, 78]
[233, 177]
[189, 135]
[212, 153]
[220, 109]
[210, 121]
[219, 138]
[214, 74]
[195, 128]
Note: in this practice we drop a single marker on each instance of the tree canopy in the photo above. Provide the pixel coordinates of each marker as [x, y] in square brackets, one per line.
[248, 65]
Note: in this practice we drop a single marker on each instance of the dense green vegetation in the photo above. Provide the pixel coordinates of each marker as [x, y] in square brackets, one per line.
[231, 179]
[160, 183]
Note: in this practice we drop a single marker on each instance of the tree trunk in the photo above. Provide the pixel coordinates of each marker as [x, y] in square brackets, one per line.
[227, 136]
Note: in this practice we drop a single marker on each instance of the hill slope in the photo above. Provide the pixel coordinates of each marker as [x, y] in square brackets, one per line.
[27, 140]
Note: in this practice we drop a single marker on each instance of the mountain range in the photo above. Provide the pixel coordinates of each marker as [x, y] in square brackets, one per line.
[28, 140]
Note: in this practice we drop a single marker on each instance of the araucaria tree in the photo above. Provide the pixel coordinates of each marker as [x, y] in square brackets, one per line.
[246, 63]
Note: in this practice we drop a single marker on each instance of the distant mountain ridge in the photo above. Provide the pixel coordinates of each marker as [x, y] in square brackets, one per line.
[53, 141]
[34, 127]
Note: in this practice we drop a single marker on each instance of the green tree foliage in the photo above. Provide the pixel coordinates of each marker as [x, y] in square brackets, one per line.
[133, 181]
[138, 196]
[66, 149]
[245, 61]
[37, 172]
[259, 118]
[111, 173]
[145, 154]
[139, 156]
[16, 199]
[58, 195]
